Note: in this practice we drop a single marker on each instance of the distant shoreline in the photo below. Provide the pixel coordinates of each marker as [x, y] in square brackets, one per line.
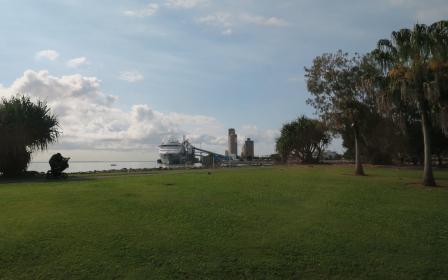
[86, 166]
[82, 161]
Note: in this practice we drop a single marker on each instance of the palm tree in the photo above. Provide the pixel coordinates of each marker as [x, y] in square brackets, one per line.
[25, 127]
[439, 66]
[414, 64]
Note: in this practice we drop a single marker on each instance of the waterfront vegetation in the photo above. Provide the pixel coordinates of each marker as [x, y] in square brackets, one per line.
[296, 222]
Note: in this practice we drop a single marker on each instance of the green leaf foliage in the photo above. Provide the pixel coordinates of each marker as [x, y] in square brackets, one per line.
[304, 139]
[25, 127]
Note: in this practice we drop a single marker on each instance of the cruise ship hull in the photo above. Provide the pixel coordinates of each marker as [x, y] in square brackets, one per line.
[174, 153]
[172, 159]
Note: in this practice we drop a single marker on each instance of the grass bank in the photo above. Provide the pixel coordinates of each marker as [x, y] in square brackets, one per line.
[256, 223]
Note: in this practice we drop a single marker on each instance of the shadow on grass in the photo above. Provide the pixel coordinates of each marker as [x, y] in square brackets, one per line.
[441, 184]
[359, 176]
[41, 178]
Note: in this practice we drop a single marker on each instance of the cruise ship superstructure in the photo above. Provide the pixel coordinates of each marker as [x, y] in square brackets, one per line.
[173, 152]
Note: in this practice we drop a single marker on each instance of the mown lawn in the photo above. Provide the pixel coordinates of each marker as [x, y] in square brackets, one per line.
[282, 222]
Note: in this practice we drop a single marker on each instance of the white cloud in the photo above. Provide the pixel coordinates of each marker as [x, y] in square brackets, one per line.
[252, 131]
[147, 11]
[184, 4]
[263, 21]
[90, 120]
[264, 138]
[77, 62]
[47, 54]
[217, 19]
[226, 21]
[131, 76]
[227, 31]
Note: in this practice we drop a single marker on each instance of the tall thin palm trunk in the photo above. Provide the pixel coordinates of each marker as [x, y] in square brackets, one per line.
[359, 169]
[428, 176]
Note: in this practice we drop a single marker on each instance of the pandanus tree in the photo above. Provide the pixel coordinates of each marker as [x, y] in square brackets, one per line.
[341, 96]
[25, 127]
[414, 64]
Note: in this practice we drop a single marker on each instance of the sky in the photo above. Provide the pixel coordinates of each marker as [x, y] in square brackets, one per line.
[123, 76]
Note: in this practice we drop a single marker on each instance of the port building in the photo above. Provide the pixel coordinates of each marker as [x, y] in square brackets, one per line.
[232, 143]
[247, 152]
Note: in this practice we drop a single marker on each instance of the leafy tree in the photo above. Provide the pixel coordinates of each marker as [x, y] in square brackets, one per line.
[440, 145]
[24, 128]
[414, 143]
[341, 96]
[414, 65]
[303, 138]
[381, 141]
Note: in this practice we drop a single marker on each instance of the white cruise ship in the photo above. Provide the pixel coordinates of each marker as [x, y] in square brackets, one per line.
[173, 152]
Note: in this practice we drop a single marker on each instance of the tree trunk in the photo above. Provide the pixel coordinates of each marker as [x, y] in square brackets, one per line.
[359, 170]
[428, 177]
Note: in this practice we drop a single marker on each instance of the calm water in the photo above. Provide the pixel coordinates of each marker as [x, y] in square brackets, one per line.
[83, 166]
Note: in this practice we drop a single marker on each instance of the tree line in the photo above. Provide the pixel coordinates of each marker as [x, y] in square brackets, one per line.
[388, 104]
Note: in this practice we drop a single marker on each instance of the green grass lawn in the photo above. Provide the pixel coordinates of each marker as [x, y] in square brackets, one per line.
[282, 222]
